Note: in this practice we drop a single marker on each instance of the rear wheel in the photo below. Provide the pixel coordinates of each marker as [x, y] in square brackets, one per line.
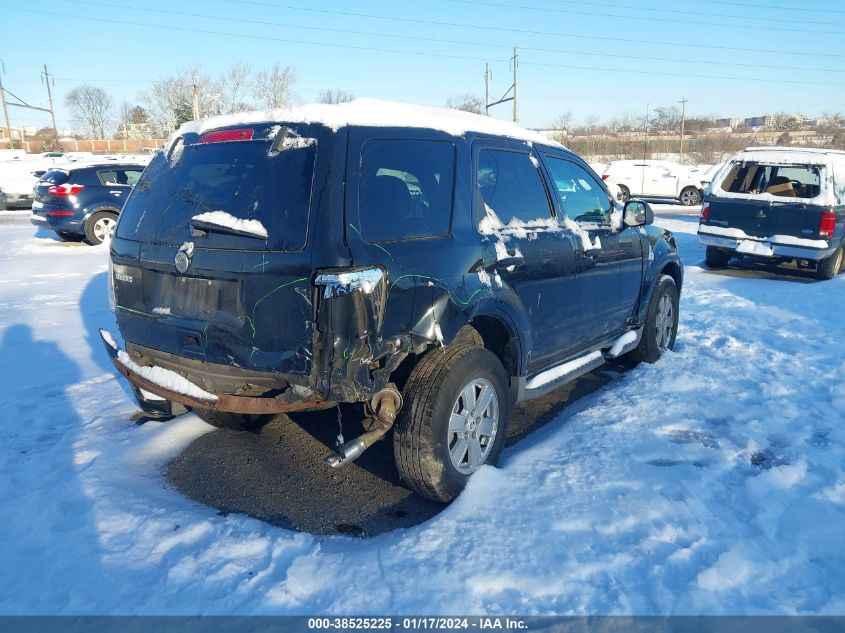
[624, 193]
[454, 420]
[100, 227]
[690, 197]
[829, 267]
[661, 325]
[234, 421]
[717, 257]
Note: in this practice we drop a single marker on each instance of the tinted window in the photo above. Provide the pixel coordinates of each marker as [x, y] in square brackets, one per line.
[405, 189]
[119, 177]
[239, 178]
[511, 185]
[581, 197]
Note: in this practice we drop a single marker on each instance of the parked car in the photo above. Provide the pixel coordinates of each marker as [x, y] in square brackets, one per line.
[83, 202]
[653, 179]
[777, 205]
[2, 200]
[435, 267]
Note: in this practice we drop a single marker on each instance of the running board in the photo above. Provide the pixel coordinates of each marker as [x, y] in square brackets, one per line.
[538, 385]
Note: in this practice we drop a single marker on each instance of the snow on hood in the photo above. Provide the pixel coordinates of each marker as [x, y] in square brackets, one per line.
[374, 113]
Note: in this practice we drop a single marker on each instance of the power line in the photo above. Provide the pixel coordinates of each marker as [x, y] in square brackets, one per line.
[802, 7]
[581, 3]
[581, 11]
[500, 29]
[253, 36]
[452, 41]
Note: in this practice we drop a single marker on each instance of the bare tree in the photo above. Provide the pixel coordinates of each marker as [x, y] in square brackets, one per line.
[562, 126]
[91, 109]
[467, 103]
[169, 101]
[335, 96]
[272, 87]
[234, 87]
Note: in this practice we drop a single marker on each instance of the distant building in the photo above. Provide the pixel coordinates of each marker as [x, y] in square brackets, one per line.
[731, 122]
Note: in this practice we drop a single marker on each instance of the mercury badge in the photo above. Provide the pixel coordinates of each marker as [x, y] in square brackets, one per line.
[183, 257]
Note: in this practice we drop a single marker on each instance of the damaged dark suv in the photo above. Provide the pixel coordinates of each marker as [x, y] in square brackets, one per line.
[435, 267]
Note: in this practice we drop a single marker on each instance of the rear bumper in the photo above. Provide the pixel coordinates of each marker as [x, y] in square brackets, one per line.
[763, 248]
[63, 223]
[172, 386]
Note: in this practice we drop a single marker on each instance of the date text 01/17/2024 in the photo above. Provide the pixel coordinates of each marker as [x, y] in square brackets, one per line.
[417, 623]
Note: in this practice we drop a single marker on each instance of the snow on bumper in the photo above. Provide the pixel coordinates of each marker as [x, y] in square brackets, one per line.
[774, 246]
[170, 386]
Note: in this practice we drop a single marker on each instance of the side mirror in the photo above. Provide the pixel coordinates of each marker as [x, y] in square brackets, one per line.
[638, 213]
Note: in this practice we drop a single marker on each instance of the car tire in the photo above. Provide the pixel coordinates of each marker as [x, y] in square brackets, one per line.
[624, 194]
[440, 438]
[716, 257]
[233, 421]
[70, 237]
[690, 197]
[829, 267]
[661, 324]
[100, 226]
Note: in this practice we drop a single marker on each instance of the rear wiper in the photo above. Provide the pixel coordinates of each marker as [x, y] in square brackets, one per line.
[200, 228]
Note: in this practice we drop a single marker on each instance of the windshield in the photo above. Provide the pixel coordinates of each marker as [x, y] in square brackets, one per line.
[240, 181]
[783, 181]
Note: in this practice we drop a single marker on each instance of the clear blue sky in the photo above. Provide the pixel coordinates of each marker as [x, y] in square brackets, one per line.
[575, 55]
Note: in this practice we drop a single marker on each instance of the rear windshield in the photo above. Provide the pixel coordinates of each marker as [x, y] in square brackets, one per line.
[55, 177]
[249, 197]
[783, 181]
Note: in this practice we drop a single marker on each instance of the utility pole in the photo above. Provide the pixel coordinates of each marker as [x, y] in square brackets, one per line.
[514, 60]
[196, 91]
[683, 103]
[47, 78]
[5, 107]
[505, 98]
[487, 89]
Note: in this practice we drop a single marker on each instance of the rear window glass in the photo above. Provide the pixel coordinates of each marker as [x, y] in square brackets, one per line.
[55, 177]
[405, 189]
[119, 177]
[783, 181]
[240, 179]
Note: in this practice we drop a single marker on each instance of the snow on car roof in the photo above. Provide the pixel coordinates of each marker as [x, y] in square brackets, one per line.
[782, 156]
[375, 113]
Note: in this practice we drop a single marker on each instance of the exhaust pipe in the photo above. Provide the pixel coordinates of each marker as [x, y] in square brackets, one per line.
[385, 404]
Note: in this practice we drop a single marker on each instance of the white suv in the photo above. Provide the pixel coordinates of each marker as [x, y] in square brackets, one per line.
[654, 179]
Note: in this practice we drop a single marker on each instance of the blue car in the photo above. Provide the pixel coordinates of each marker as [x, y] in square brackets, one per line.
[83, 202]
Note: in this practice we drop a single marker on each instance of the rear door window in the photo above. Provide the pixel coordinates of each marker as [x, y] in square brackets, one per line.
[511, 186]
[405, 189]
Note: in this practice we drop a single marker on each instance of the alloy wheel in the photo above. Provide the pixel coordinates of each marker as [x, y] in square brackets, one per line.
[473, 425]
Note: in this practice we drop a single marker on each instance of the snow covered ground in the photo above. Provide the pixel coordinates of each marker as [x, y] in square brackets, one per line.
[709, 483]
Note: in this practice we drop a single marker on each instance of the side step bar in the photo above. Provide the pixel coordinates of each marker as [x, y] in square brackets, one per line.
[538, 385]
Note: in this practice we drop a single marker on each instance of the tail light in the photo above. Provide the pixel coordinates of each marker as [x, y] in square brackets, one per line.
[63, 191]
[604, 176]
[60, 213]
[705, 212]
[828, 224]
